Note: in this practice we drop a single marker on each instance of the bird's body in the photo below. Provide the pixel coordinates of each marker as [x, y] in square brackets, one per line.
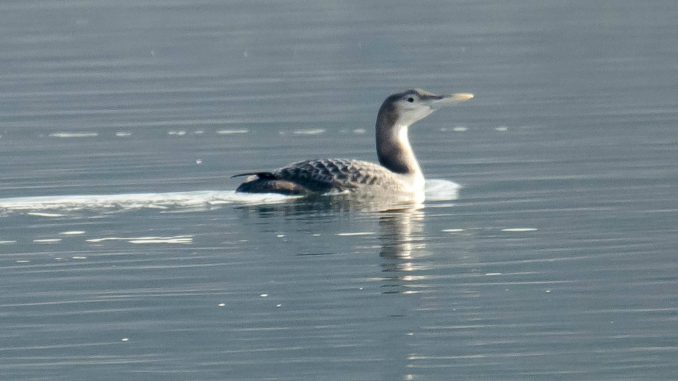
[329, 175]
[398, 173]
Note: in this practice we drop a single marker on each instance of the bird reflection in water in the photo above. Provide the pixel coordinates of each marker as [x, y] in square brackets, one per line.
[402, 242]
[400, 231]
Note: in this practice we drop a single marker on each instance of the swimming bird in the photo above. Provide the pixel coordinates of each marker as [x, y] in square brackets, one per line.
[398, 172]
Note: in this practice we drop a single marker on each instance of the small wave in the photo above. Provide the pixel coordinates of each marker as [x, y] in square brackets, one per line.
[56, 206]
[353, 234]
[179, 239]
[232, 132]
[310, 131]
[39, 214]
[38, 206]
[47, 240]
[73, 232]
[519, 230]
[73, 134]
[441, 190]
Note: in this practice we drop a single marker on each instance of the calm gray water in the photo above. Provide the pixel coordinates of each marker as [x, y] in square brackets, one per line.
[125, 254]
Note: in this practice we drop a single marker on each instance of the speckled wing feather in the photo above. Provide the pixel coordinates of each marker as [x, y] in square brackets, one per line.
[325, 175]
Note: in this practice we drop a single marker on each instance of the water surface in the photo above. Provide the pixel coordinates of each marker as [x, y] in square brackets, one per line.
[124, 252]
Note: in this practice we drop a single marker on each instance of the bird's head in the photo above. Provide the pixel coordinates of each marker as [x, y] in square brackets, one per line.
[410, 106]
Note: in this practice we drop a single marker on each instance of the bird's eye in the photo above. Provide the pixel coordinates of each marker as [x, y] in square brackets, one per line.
[410, 99]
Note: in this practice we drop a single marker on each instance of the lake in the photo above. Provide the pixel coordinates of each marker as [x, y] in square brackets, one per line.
[126, 254]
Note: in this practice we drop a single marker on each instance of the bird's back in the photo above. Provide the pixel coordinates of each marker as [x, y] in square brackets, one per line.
[327, 175]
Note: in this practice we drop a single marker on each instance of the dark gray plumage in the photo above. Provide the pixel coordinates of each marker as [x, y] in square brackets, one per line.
[399, 172]
[320, 176]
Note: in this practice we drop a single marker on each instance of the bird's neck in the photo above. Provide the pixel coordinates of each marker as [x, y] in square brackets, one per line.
[393, 146]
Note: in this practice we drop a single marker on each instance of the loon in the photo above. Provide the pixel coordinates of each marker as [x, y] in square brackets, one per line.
[398, 172]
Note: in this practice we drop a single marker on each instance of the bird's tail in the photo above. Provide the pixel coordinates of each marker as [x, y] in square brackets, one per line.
[261, 175]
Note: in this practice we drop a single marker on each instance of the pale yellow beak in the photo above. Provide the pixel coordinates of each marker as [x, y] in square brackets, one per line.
[452, 99]
[461, 97]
